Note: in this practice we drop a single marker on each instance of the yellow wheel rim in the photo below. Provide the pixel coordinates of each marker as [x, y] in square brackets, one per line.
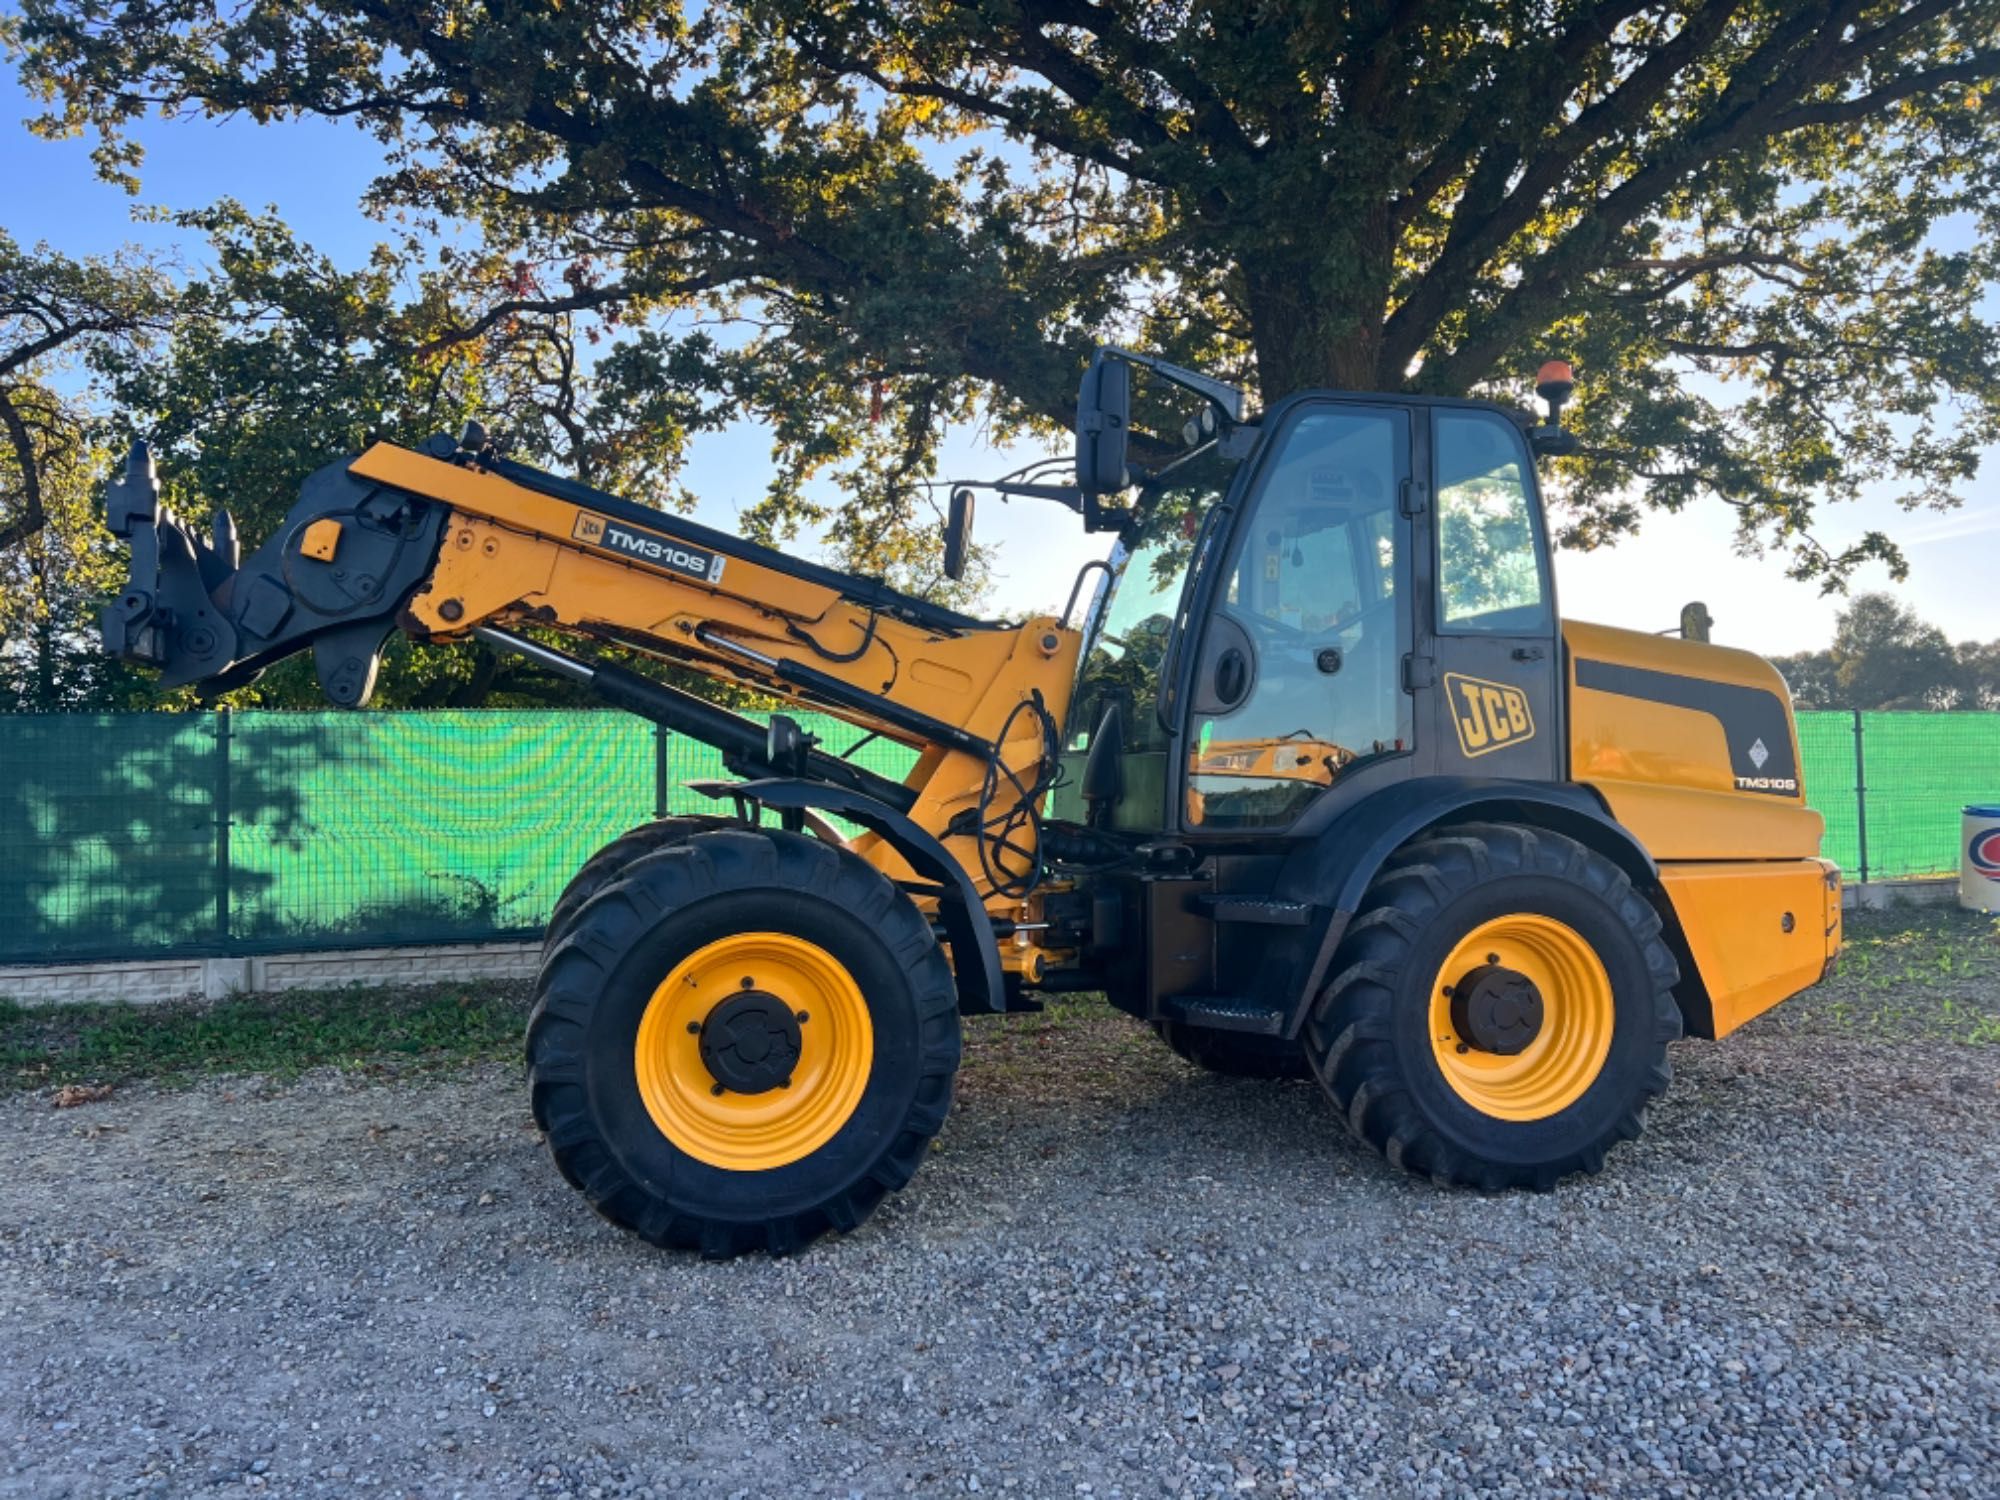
[755, 1132]
[1568, 1050]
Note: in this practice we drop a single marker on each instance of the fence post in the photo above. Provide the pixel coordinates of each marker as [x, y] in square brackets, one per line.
[222, 738]
[1860, 799]
[660, 770]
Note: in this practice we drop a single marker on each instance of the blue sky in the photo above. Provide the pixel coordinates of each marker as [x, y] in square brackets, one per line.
[314, 173]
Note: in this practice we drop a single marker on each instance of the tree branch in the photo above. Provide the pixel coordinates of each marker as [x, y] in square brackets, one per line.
[1212, 116]
[1472, 241]
[1979, 68]
[1755, 96]
[32, 517]
[1556, 74]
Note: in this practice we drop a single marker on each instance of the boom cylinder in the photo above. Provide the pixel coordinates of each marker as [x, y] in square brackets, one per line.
[741, 740]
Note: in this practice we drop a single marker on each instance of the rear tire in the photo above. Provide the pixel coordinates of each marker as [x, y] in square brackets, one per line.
[1235, 1054]
[629, 1095]
[1383, 1034]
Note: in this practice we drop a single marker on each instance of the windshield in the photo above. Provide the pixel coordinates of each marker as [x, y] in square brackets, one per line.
[1131, 621]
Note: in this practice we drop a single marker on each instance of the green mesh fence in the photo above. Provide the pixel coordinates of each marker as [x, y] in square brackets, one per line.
[1919, 772]
[107, 835]
[1826, 755]
[130, 835]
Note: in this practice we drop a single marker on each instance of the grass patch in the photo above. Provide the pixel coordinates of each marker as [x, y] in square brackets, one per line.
[282, 1034]
[1919, 973]
[1928, 973]
[1074, 1037]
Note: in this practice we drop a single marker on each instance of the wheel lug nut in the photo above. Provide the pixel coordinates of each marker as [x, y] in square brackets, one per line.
[694, 1028]
[717, 1090]
[747, 983]
[804, 1016]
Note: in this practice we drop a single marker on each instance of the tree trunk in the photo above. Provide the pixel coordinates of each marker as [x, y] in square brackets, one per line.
[1316, 313]
[474, 691]
[47, 699]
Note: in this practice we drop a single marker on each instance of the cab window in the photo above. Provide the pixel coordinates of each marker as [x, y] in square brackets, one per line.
[1490, 573]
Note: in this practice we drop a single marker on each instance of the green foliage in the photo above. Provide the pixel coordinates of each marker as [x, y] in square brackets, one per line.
[61, 319]
[282, 360]
[1725, 211]
[247, 379]
[1979, 674]
[1884, 656]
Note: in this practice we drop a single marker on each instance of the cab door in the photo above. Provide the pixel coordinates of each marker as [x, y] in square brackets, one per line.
[1297, 687]
[1495, 669]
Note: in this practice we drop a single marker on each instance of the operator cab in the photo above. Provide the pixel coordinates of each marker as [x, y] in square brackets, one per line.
[1353, 592]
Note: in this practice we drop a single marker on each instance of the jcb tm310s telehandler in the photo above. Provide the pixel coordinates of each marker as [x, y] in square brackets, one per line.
[1309, 777]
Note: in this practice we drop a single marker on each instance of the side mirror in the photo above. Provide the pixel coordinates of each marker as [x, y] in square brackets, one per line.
[1104, 767]
[958, 534]
[1103, 424]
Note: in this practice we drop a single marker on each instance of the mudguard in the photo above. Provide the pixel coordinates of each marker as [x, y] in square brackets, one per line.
[1332, 870]
[975, 951]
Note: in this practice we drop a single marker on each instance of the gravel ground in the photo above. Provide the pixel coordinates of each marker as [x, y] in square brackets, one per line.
[1116, 1277]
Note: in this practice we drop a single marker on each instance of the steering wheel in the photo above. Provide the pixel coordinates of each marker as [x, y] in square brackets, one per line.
[1285, 638]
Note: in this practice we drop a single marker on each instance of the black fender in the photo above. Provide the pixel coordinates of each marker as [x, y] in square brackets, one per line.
[1331, 871]
[975, 951]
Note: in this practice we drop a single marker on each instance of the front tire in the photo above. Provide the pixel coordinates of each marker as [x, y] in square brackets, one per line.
[746, 1040]
[608, 863]
[1500, 1009]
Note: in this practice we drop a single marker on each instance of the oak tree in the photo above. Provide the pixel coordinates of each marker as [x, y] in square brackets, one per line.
[1763, 228]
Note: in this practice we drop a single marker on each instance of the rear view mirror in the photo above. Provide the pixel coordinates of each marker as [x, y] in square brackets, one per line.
[1103, 421]
[958, 534]
[1104, 766]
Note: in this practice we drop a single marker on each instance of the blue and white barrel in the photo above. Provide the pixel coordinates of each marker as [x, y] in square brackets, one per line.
[1979, 859]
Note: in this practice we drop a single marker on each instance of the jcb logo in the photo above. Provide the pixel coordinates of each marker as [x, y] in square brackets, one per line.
[589, 528]
[1489, 715]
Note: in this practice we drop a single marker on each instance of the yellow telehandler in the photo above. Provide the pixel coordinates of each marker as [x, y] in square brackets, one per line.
[1309, 776]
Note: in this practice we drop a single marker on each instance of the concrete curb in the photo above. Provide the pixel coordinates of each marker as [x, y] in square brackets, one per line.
[1880, 895]
[151, 981]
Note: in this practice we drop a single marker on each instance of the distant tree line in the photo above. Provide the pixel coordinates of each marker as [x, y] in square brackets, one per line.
[1885, 656]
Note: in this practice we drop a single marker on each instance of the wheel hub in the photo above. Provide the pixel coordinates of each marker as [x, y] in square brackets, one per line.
[750, 1043]
[1497, 1010]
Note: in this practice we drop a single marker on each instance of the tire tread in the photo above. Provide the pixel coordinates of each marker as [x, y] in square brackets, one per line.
[652, 885]
[1349, 1033]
